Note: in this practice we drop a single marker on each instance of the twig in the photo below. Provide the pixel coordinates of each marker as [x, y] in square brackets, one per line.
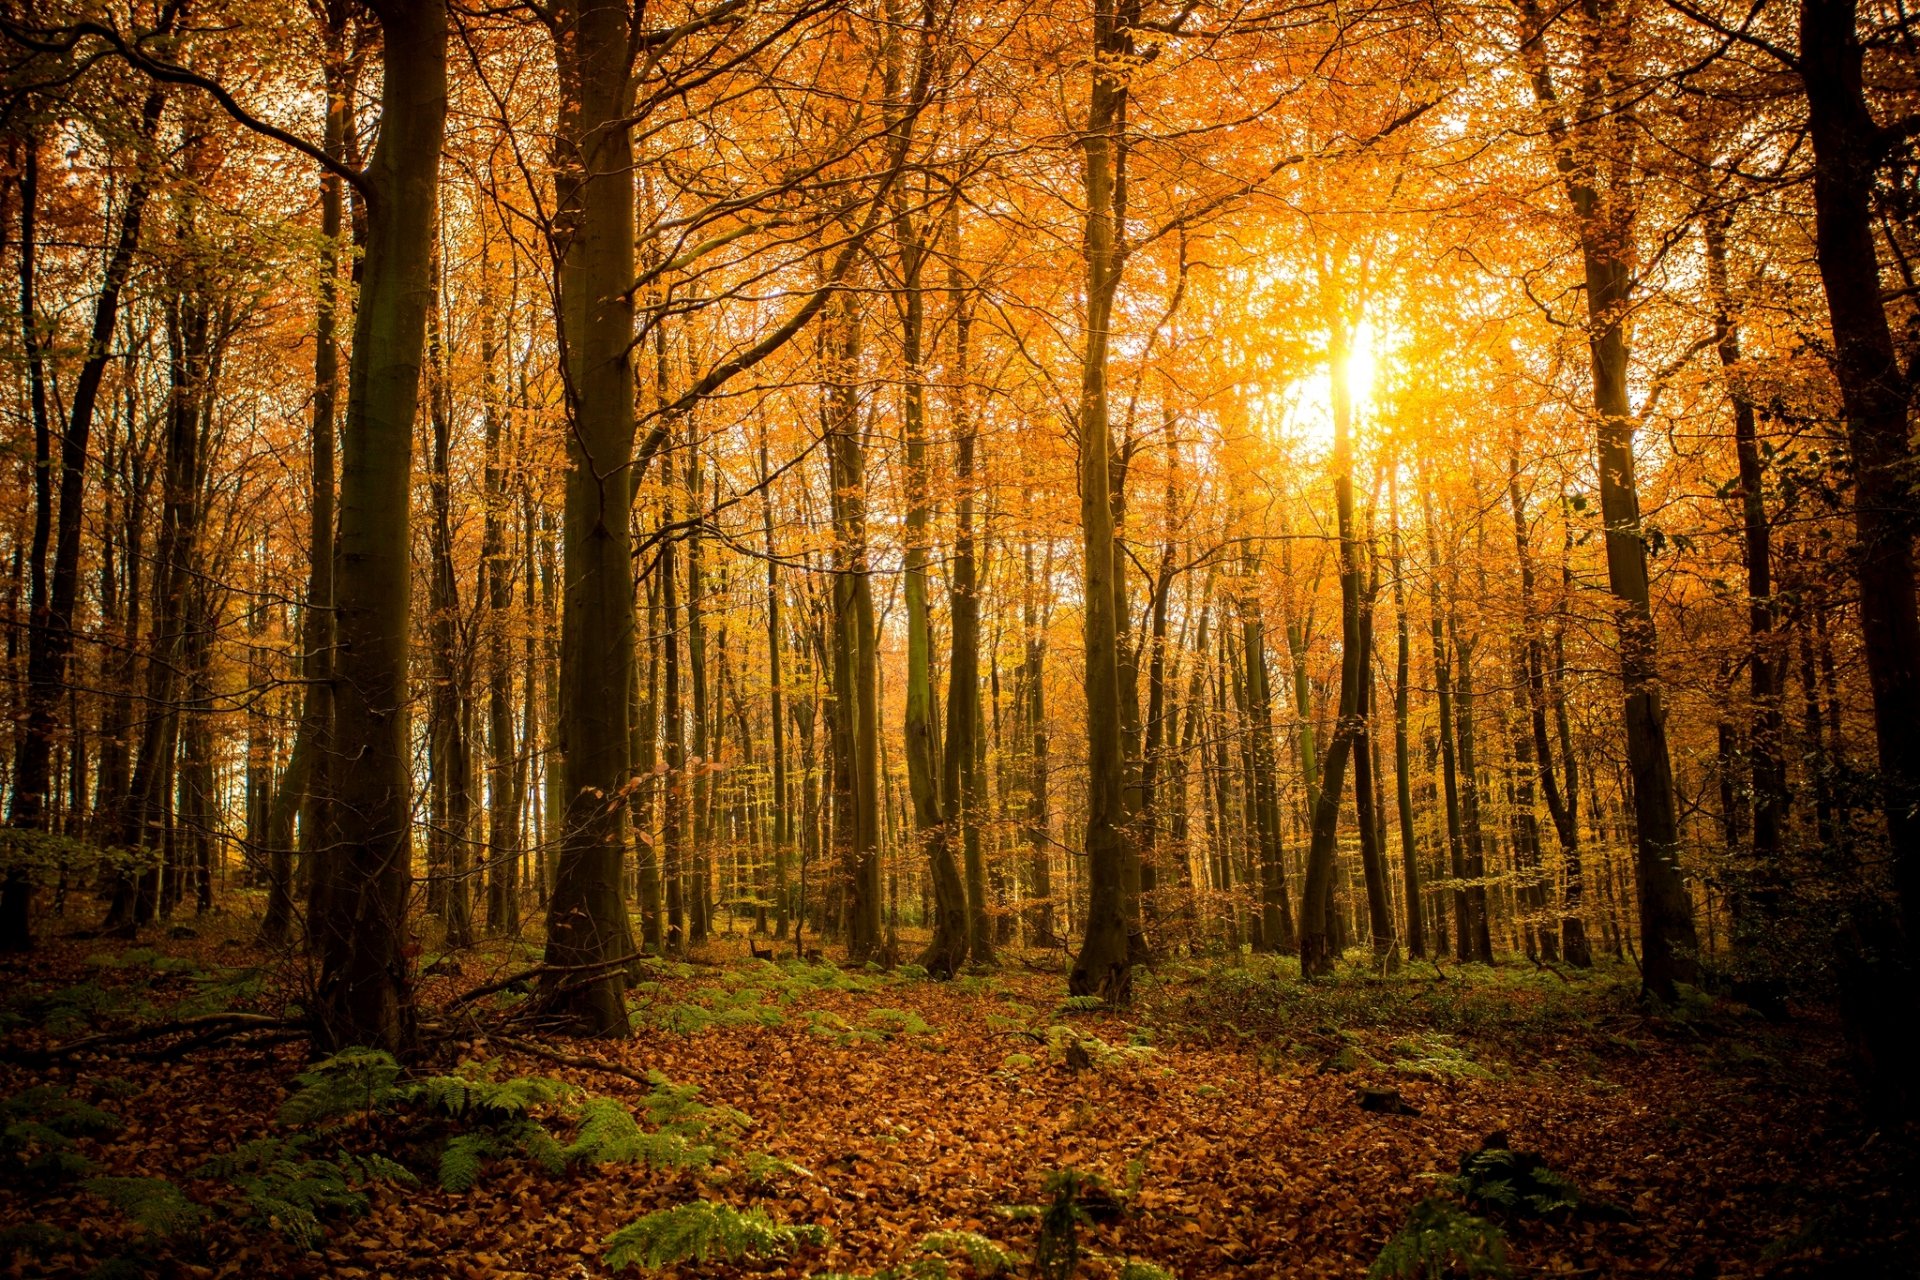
[212, 1026]
[538, 971]
[580, 1061]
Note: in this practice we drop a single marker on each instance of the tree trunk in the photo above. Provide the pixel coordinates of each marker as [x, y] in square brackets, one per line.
[1317, 924]
[1402, 760]
[1599, 140]
[359, 891]
[54, 596]
[1104, 966]
[1849, 148]
[587, 913]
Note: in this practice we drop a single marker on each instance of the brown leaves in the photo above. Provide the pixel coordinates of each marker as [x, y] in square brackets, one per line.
[1223, 1161]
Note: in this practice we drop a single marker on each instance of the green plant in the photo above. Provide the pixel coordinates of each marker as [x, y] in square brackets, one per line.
[158, 1206]
[1056, 1256]
[38, 1238]
[989, 1259]
[1516, 1182]
[764, 1170]
[1435, 1057]
[701, 1230]
[37, 1129]
[1442, 1240]
[284, 1189]
[353, 1082]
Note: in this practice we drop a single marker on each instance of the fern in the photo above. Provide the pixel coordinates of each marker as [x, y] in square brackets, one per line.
[37, 1129]
[987, 1257]
[1057, 1254]
[37, 1238]
[1144, 1271]
[898, 1022]
[1517, 1182]
[154, 1203]
[464, 1157]
[1082, 1004]
[763, 1170]
[1440, 1240]
[1435, 1057]
[288, 1191]
[471, 1096]
[351, 1082]
[701, 1230]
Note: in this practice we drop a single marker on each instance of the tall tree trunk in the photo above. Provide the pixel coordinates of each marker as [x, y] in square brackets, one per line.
[1402, 760]
[776, 710]
[1848, 149]
[587, 914]
[144, 823]
[1038, 817]
[1373, 864]
[1456, 860]
[359, 891]
[1479, 940]
[503, 795]
[964, 789]
[856, 664]
[1600, 139]
[1104, 966]
[1317, 924]
[1765, 658]
[449, 754]
[934, 823]
[302, 782]
[1276, 911]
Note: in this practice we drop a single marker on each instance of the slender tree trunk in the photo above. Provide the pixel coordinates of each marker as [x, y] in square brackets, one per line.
[776, 711]
[1402, 759]
[1601, 139]
[448, 751]
[1373, 864]
[1104, 966]
[1276, 911]
[302, 783]
[935, 824]
[357, 914]
[587, 913]
[1317, 922]
[54, 596]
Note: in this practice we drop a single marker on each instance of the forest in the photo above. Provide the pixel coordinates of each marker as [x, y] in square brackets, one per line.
[949, 639]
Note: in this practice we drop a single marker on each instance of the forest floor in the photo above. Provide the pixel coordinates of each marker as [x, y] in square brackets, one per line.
[1220, 1113]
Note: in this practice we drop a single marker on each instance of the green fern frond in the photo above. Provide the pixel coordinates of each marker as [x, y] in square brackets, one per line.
[701, 1230]
[543, 1149]
[1440, 1240]
[463, 1159]
[989, 1259]
[153, 1203]
[351, 1082]
[461, 1096]
[763, 1170]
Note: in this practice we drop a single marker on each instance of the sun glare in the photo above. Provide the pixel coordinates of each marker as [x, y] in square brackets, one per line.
[1305, 408]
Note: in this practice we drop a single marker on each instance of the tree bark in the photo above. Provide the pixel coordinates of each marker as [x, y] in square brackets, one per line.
[1849, 147]
[587, 914]
[357, 912]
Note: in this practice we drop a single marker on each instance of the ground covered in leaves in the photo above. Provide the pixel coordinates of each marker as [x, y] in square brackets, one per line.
[1231, 1122]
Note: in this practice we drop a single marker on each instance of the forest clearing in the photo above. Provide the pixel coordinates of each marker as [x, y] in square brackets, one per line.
[922, 639]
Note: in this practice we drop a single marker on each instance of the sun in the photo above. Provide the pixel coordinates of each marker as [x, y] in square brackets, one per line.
[1302, 411]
